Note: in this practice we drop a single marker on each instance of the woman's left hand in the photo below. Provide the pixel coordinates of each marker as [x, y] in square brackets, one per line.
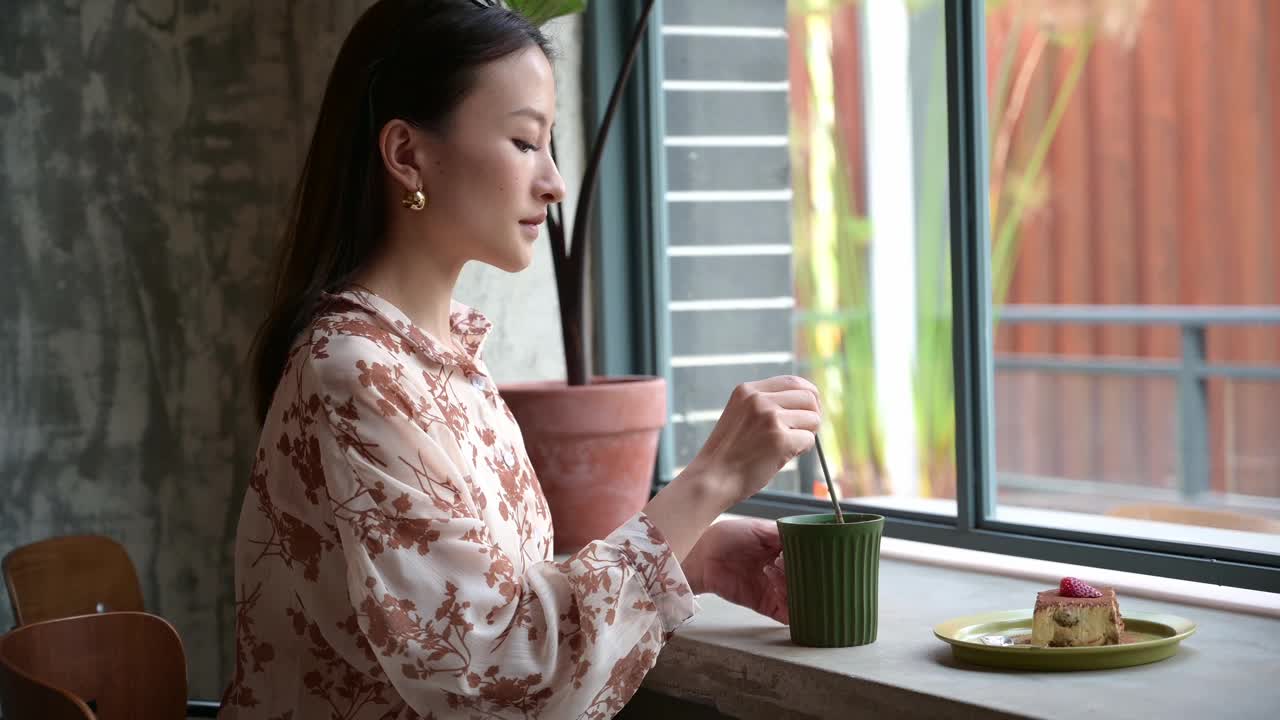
[741, 561]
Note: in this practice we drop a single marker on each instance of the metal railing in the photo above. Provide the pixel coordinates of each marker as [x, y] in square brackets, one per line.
[1191, 370]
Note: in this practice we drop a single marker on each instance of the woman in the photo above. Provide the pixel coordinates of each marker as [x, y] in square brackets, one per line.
[393, 557]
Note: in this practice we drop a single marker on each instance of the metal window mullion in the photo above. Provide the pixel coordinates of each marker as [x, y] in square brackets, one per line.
[970, 263]
[627, 259]
[1193, 416]
[624, 311]
[660, 285]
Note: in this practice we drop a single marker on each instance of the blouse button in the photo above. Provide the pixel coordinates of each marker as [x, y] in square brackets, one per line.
[477, 381]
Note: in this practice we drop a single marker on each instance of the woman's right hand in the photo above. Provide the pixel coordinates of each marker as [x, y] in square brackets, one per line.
[765, 425]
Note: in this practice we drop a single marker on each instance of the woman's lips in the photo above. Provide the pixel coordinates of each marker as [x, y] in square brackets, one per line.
[531, 225]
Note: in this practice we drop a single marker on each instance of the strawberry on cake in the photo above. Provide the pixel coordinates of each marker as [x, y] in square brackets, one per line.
[1076, 615]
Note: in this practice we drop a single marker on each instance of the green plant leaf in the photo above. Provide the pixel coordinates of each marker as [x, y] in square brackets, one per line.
[540, 11]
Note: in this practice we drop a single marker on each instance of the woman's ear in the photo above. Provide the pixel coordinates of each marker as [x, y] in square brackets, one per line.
[403, 151]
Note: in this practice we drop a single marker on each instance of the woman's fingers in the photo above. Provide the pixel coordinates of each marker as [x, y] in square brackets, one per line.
[793, 399]
[806, 420]
[776, 592]
[779, 383]
[784, 393]
[765, 425]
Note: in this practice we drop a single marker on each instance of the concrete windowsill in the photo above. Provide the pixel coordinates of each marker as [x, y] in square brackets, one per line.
[746, 666]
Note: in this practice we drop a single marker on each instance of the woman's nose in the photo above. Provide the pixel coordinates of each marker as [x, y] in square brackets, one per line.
[552, 189]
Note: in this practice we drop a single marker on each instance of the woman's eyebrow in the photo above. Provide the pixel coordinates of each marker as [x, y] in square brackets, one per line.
[532, 113]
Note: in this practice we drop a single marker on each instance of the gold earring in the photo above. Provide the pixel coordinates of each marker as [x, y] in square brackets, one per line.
[415, 200]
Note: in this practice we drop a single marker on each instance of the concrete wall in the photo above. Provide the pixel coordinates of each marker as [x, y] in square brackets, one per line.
[148, 149]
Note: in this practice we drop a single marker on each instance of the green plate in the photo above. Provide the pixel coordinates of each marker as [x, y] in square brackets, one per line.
[979, 639]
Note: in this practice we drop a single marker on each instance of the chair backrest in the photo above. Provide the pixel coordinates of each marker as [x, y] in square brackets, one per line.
[123, 665]
[1223, 519]
[70, 575]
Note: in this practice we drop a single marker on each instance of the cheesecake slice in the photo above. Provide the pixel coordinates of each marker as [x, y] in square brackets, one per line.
[1076, 615]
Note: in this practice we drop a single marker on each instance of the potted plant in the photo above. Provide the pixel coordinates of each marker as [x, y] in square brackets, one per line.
[592, 440]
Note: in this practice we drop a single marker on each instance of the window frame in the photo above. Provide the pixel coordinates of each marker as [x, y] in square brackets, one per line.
[630, 291]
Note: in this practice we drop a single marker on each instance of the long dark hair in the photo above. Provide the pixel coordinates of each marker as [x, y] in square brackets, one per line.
[409, 59]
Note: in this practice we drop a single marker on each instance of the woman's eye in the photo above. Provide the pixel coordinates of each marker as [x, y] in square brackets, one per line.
[525, 147]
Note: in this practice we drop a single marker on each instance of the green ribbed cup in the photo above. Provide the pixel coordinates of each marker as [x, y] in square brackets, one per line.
[833, 578]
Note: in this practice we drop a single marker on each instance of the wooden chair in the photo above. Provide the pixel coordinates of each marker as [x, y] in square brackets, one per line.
[77, 575]
[106, 666]
[1223, 519]
[71, 575]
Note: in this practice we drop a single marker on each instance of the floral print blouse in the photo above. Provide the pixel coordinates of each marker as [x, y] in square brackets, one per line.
[394, 552]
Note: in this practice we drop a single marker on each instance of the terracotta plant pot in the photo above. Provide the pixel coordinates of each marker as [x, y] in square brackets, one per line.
[593, 448]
